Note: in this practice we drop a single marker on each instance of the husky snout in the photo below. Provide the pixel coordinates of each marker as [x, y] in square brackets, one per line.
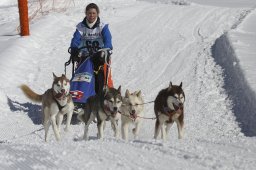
[115, 109]
[114, 112]
[63, 91]
[133, 114]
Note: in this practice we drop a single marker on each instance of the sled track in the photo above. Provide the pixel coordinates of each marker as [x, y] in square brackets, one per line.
[18, 157]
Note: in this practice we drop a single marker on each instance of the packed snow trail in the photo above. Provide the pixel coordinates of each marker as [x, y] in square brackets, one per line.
[153, 45]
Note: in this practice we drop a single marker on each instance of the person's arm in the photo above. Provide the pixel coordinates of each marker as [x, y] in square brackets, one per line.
[76, 40]
[74, 45]
[107, 38]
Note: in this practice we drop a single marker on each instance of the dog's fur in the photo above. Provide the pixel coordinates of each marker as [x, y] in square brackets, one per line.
[56, 102]
[131, 111]
[103, 108]
[169, 108]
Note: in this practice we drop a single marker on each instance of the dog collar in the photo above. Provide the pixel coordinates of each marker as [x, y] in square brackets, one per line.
[57, 102]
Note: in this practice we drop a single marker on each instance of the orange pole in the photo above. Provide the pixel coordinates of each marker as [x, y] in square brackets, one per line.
[24, 21]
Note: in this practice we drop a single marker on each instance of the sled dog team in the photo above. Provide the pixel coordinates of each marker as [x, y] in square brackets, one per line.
[57, 101]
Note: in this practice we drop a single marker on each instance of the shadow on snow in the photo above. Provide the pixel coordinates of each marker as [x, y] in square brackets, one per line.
[242, 96]
[33, 110]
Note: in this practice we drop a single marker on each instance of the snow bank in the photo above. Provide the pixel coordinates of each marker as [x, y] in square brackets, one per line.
[238, 89]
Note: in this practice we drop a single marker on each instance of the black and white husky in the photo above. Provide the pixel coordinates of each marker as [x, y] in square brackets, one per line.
[169, 108]
[56, 102]
[103, 108]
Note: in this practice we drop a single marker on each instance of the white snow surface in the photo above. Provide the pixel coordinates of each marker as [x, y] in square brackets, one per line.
[208, 45]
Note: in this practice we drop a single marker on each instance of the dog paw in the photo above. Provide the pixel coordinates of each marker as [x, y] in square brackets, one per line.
[117, 136]
[66, 129]
[86, 138]
[58, 138]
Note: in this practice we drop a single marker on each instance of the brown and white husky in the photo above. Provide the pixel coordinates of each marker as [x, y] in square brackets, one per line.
[56, 102]
[169, 108]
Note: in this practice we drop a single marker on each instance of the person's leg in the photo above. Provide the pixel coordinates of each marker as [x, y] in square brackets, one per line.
[99, 82]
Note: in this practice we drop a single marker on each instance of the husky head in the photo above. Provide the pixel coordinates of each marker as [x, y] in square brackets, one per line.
[176, 96]
[60, 86]
[134, 103]
[113, 100]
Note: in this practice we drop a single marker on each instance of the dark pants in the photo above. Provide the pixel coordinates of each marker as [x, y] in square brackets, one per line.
[99, 82]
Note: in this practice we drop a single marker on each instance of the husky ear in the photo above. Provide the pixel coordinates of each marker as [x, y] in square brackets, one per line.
[180, 84]
[127, 93]
[119, 89]
[138, 93]
[54, 76]
[170, 86]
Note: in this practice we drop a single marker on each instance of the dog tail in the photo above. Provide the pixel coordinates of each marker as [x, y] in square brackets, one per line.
[31, 94]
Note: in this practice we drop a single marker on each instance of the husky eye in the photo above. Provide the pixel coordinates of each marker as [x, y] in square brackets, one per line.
[118, 101]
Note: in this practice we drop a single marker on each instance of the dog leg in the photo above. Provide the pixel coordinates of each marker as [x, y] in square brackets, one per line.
[114, 126]
[163, 131]
[157, 128]
[125, 127]
[47, 123]
[100, 128]
[86, 127]
[168, 127]
[59, 120]
[104, 125]
[135, 131]
[180, 125]
[55, 128]
[69, 116]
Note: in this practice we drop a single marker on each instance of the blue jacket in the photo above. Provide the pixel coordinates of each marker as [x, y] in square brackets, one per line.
[84, 35]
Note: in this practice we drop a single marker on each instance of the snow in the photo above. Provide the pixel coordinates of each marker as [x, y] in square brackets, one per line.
[206, 44]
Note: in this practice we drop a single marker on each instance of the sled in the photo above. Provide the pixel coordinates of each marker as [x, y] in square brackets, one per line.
[82, 83]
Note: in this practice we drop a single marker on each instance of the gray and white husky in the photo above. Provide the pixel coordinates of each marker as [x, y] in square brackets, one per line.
[169, 108]
[103, 108]
[56, 102]
[131, 113]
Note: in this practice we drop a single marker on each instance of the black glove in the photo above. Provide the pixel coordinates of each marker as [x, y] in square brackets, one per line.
[74, 54]
[101, 57]
[97, 59]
